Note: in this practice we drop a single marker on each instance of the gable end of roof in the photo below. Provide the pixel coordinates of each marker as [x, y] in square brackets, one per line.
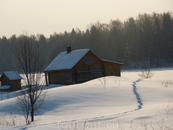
[12, 75]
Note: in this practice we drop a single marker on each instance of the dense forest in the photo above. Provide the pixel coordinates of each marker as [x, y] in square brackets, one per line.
[134, 42]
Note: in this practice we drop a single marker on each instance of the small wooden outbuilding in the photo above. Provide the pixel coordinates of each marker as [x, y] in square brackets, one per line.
[10, 81]
[78, 66]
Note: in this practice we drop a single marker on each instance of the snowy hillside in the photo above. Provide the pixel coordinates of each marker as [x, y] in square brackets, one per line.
[109, 103]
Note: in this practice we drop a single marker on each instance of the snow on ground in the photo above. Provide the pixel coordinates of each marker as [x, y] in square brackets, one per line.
[110, 103]
[5, 87]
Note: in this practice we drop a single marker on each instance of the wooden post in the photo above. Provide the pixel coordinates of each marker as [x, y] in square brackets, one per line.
[46, 78]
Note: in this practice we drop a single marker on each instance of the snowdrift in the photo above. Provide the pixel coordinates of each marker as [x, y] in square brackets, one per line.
[126, 102]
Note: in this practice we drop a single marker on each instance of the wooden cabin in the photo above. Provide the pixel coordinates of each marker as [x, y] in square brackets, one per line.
[111, 68]
[10, 81]
[79, 66]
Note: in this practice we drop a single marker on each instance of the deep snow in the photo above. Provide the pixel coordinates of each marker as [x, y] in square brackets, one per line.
[126, 102]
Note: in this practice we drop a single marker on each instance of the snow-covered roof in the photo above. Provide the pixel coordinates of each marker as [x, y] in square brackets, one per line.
[66, 60]
[112, 61]
[5, 87]
[12, 75]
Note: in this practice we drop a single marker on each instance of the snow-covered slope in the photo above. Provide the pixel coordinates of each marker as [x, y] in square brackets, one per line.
[126, 102]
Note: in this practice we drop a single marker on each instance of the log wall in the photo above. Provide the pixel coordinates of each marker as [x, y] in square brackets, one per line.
[89, 67]
[112, 69]
[60, 77]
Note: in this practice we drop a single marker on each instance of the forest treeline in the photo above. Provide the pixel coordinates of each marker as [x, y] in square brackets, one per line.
[147, 39]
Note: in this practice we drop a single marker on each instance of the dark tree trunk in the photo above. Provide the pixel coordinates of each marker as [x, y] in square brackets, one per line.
[32, 113]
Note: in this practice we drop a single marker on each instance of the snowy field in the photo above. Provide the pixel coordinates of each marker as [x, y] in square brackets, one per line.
[111, 103]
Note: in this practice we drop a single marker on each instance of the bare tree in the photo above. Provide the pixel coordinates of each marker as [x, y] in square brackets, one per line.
[33, 92]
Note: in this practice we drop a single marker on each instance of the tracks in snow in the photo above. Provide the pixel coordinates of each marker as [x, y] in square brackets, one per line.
[138, 97]
[113, 116]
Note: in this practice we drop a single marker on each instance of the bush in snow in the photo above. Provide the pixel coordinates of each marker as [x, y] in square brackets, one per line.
[146, 72]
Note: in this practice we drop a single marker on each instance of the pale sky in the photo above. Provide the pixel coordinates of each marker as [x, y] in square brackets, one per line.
[49, 16]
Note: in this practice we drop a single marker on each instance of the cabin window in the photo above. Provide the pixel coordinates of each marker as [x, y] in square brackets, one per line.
[88, 61]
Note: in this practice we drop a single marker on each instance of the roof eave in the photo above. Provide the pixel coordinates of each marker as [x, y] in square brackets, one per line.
[112, 61]
[58, 70]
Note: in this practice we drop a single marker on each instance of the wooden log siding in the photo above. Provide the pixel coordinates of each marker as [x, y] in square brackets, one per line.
[15, 85]
[74, 75]
[90, 72]
[86, 75]
[112, 68]
[4, 80]
[60, 77]
[89, 67]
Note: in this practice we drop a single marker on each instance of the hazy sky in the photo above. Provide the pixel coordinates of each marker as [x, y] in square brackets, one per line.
[49, 16]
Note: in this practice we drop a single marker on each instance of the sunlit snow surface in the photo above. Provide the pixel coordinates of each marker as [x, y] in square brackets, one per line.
[127, 102]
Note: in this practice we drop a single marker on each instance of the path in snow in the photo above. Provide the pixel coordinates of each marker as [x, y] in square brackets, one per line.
[138, 97]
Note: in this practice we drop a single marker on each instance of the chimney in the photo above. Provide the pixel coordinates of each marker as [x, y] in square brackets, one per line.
[68, 49]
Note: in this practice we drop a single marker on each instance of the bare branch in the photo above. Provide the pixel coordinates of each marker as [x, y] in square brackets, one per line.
[33, 93]
[146, 72]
